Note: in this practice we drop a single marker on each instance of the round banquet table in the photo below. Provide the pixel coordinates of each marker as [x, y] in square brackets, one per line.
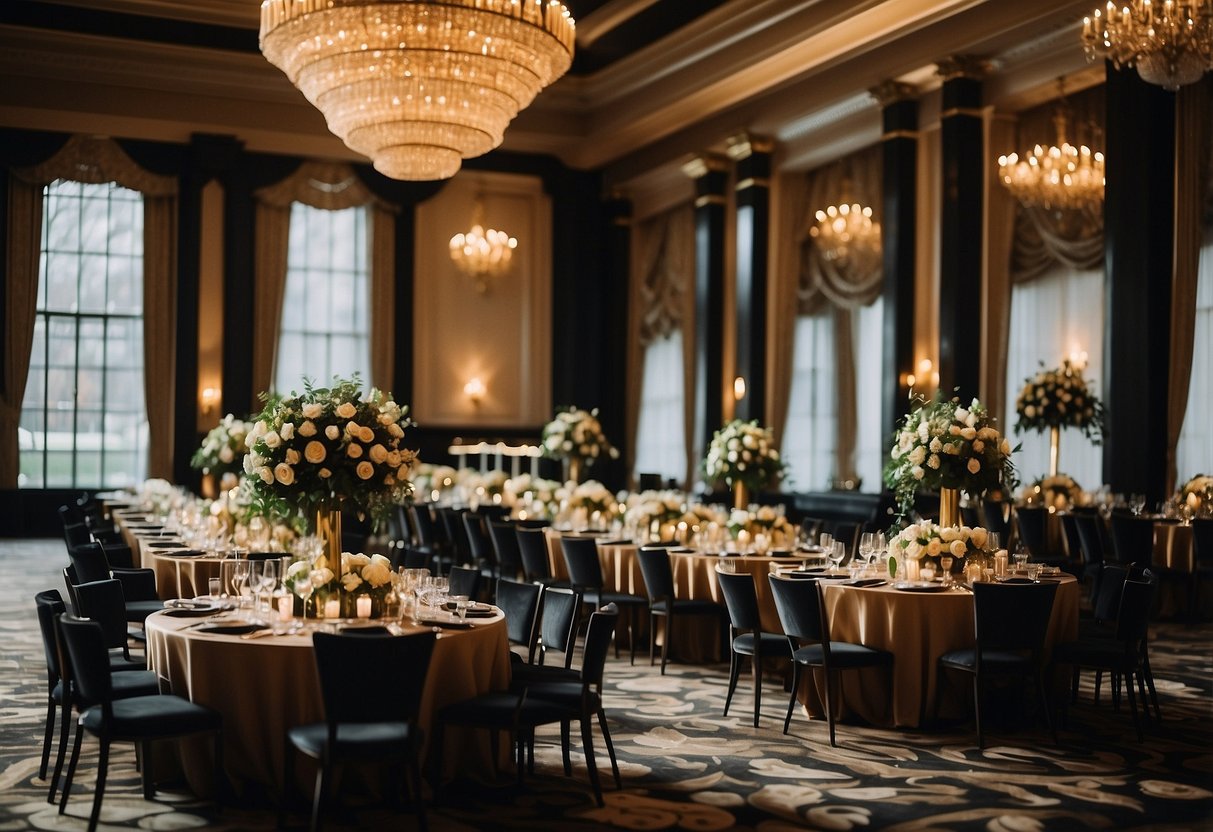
[694, 639]
[181, 575]
[265, 686]
[918, 628]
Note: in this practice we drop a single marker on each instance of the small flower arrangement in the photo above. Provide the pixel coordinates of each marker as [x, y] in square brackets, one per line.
[533, 495]
[743, 452]
[642, 510]
[1060, 492]
[930, 541]
[944, 445]
[765, 520]
[328, 447]
[430, 481]
[576, 434]
[1197, 494]
[590, 495]
[1059, 398]
[222, 451]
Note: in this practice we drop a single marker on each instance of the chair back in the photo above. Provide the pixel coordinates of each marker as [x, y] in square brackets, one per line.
[49, 604]
[349, 666]
[423, 525]
[741, 600]
[657, 573]
[598, 636]
[399, 528]
[1105, 594]
[1031, 520]
[479, 545]
[533, 549]
[86, 651]
[996, 606]
[103, 602]
[1202, 540]
[1133, 538]
[413, 558]
[90, 563]
[70, 581]
[848, 533]
[464, 581]
[1133, 616]
[1069, 525]
[451, 520]
[558, 622]
[1088, 537]
[798, 603]
[994, 513]
[519, 602]
[505, 546]
[581, 558]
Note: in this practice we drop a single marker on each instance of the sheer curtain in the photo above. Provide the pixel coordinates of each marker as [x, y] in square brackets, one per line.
[871, 441]
[811, 427]
[1053, 317]
[1195, 452]
[660, 445]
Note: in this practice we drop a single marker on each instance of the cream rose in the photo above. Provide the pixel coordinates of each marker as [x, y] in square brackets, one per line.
[272, 439]
[284, 473]
[365, 470]
[267, 476]
[974, 466]
[354, 451]
[332, 432]
[958, 548]
[288, 431]
[345, 410]
[315, 452]
[313, 410]
[324, 473]
[307, 430]
[377, 574]
[979, 537]
[378, 453]
[292, 456]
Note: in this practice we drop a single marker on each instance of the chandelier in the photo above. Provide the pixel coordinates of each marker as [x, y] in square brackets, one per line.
[418, 86]
[1170, 43]
[481, 254]
[1061, 176]
[847, 237]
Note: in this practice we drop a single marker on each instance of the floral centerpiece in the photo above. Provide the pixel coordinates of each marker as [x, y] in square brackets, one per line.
[1197, 494]
[481, 486]
[764, 520]
[587, 505]
[529, 496]
[649, 511]
[576, 435]
[430, 481]
[942, 445]
[365, 575]
[1058, 398]
[1059, 493]
[743, 456]
[928, 542]
[222, 451]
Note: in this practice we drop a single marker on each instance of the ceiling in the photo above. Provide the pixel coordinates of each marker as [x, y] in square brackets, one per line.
[654, 82]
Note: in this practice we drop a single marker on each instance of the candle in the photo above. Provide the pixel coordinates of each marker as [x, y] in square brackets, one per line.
[332, 608]
[286, 607]
[364, 606]
[1000, 563]
[911, 569]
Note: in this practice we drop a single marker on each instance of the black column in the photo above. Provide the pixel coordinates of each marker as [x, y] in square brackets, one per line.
[961, 221]
[1139, 262]
[899, 155]
[710, 175]
[617, 214]
[753, 200]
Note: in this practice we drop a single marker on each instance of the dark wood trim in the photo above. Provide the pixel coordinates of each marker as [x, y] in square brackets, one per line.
[709, 304]
[753, 196]
[899, 150]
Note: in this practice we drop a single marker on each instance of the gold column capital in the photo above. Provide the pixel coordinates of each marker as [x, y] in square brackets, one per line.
[962, 66]
[890, 92]
[745, 144]
[704, 164]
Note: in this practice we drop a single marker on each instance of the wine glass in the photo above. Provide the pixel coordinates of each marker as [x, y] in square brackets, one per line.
[826, 541]
[867, 546]
[1137, 502]
[836, 554]
[945, 567]
[240, 577]
[461, 605]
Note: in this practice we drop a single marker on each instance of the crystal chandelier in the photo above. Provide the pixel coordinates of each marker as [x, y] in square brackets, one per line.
[847, 236]
[1061, 176]
[481, 254]
[1170, 43]
[418, 86]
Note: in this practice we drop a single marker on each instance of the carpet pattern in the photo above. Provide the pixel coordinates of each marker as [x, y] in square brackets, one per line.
[686, 767]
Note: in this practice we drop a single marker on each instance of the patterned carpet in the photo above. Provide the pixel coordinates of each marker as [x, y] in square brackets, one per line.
[686, 767]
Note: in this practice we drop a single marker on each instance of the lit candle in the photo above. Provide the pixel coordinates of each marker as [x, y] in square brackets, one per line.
[911, 569]
[332, 608]
[364, 606]
[286, 607]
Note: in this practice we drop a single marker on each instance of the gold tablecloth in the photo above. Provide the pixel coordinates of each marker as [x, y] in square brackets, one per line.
[1173, 547]
[181, 577]
[265, 686]
[918, 628]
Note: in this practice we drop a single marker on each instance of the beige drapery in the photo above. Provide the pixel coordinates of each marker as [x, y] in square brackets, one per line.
[97, 160]
[1192, 168]
[662, 301]
[821, 283]
[330, 187]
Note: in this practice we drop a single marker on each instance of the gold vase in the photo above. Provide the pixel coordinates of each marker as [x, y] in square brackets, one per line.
[328, 529]
[741, 495]
[1054, 449]
[575, 469]
[949, 506]
[210, 488]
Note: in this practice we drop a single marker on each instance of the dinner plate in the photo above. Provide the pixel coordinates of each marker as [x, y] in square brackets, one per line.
[191, 608]
[819, 574]
[447, 620]
[231, 628]
[920, 586]
[475, 610]
[683, 550]
[182, 553]
[860, 583]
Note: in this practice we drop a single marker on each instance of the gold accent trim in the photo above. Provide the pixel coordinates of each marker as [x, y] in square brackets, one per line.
[890, 92]
[710, 199]
[901, 134]
[962, 66]
[752, 182]
[963, 111]
[743, 145]
[701, 166]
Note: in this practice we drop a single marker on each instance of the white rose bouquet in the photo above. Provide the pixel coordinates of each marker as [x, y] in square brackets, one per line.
[533, 495]
[576, 435]
[329, 447]
[944, 445]
[647, 507]
[429, 481]
[743, 452]
[590, 495]
[222, 451]
[1059, 398]
[929, 542]
[1197, 494]
[1060, 492]
[765, 520]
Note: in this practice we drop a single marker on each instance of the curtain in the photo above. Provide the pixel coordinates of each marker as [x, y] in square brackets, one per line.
[1194, 454]
[98, 160]
[660, 448]
[1000, 236]
[332, 187]
[791, 213]
[812, 416]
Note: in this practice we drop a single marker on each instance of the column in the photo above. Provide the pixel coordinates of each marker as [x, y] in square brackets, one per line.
[753, 200]
[899, 151]
[961, 260]
[617, 222]
[711, 176]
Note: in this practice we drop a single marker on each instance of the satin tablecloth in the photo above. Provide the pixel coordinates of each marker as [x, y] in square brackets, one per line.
[265, 686]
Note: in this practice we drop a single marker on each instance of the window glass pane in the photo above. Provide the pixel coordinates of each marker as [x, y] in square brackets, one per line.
[811, 430]
[871, 436]
[59, 282]
[661, 427]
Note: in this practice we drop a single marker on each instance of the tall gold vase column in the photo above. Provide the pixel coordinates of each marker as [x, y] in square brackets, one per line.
[741, 495]
[949, 507]
[328, 529]
[1054, 449]
[575, 469]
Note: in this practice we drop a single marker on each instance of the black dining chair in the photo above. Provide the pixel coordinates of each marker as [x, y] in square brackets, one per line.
[659, 585]
[1133, 539]
[1090, 543]
[533, 550]
[585, 576]
[388, 735]
[140, 599]
[102, 602]
[1031, 522]
[746, 635]
[431, 537]
[464, 580]
[1003, 650]
[995, 514]
[137, 719]
[1202, 563]
[802, 614]
[505, 545]
[480, 546]
[519, 603]
[559, 611]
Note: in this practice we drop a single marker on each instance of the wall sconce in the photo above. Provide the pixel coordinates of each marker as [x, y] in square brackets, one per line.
[475, 390]
[1078, 358]
[738, 388]
[210, 398]
[925, 375]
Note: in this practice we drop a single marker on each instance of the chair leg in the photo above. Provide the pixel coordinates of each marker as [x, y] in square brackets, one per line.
[318, 795]
[665, 643]
[565, 742]
[1149, 674]
[149, 788]
[64, 730]
[47, 737]
[71, 770]
[787, 720]
[633, 621]
[830, 678]
[414, 775]
[734, 672]
[1098, 683]
[1044, 704]
[591, 765]
[757, 666]
[606, 736]
[103, 763]
[652, 635]
[1133, 705]
[981, 739]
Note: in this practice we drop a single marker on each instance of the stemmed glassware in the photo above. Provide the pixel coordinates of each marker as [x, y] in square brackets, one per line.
[1137, 502]
[240, 577]
[867, 547]
[836, 553]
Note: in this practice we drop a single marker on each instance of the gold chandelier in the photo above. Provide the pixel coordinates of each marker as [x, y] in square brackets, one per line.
[1060, 176]
[847, 236]
[1170, 43]
[418, 86]
[481, 254]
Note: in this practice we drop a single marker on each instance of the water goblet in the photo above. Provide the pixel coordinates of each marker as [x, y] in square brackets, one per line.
[836, 554]
[240, 577]
[826, 541]
[867, 546]
[1021, 559]
[461, 603]
[945, 567]
[1137, 502]
[1034, 572]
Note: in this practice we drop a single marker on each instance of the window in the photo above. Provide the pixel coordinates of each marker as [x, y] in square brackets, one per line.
[83, 421]
[660, 430]
[1052, 318]
[325, 323]
[811, 430]
[872, 437]
[1194, 455]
